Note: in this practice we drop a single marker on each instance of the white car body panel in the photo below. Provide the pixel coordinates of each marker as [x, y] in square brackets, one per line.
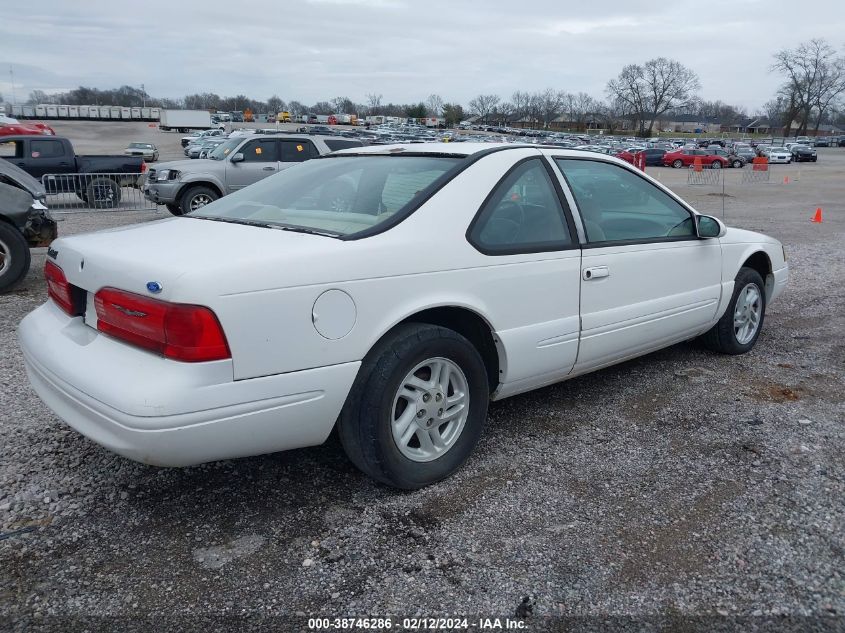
[290, 372]
[653, 294]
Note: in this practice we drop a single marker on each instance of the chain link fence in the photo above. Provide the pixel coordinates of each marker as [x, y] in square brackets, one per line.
[96, 192]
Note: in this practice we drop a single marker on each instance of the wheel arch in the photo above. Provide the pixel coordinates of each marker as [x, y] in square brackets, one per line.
[211, 184]
[469, 324]
[762, 263]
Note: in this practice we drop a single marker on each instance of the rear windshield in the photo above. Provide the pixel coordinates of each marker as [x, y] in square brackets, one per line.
[335, 144]
[341, 195]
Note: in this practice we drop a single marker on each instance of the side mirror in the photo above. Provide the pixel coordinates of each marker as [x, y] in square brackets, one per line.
[237, 158]
[707, 226]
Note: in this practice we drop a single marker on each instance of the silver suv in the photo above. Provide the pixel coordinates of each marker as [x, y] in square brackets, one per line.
[186, 185]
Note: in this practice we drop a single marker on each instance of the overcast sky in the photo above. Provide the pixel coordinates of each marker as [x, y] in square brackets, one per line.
[312, 50]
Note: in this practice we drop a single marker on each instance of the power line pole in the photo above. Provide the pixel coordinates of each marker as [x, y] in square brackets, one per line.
[12, 78]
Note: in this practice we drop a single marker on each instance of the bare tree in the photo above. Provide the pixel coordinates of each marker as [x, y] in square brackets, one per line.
[815, 78]
[550, 104]
[373, 103]
[434, 104]
[653, 89]
[483, 105]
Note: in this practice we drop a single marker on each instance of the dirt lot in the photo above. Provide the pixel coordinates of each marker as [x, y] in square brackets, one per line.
[679, 491]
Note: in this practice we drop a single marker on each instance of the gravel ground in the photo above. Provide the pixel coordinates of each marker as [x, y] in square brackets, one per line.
[679, 491]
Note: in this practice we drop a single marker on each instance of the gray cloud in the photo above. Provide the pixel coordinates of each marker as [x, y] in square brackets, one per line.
[405, 50]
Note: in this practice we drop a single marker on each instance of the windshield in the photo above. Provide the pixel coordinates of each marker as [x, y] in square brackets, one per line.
[223, 150]
[339, 196]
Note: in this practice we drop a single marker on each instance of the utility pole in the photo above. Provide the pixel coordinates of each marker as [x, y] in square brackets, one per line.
[143, 96]
[12, 78]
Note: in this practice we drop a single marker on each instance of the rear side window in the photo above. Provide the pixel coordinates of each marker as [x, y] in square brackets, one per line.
[46, 149]
[293, 151]
[522, 215]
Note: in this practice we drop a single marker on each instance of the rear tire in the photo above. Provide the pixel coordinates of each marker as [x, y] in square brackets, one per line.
[102, 193]
[399, 431]
[716, 164]
[728, 335]
[737, 164]
[196, 198]
[677, 164]
[14, 257]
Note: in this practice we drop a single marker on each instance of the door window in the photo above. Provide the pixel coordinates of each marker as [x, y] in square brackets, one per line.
[294, 151]
[46, 149]
[617, 205]
[522, 215]
[260, 151]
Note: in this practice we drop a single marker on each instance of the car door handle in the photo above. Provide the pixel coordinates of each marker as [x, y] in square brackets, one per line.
[268, 169]
[596, 273]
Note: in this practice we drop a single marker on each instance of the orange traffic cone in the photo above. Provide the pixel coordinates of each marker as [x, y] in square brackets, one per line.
[818, 216]
[786, 180]
[696, 164]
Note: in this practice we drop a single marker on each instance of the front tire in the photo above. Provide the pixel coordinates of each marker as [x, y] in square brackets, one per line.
[14, 257]
[196, 198]
[739, 328]
[417, 408]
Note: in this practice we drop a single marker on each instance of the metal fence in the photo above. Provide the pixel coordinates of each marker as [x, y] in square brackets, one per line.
[704, 176]
[756, 173]
[96, 192]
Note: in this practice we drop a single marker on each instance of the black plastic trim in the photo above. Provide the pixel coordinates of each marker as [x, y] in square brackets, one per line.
[544, 247]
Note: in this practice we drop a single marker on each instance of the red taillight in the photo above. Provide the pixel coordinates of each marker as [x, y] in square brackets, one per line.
[143, 167]
[58, 288]
[178, 331]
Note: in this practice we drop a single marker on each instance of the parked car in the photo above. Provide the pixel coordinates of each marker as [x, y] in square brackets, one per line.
[326, 309]
[803, 153]
[821, 141]
[687, 157]
[734, 159]
[778, 155]
[202, 135]
[25, 223]
[96, 179]
[745, 152]
[147, 151]
[185, 186]
[841, 142]
[13, 127]
[196, 150]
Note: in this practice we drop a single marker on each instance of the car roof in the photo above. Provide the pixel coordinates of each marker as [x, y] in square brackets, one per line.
[470, 149]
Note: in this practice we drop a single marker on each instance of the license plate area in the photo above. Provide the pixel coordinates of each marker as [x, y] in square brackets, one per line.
[89, 317]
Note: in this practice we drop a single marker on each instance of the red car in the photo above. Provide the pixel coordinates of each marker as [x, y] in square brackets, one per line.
[13, 127]
[686, 158]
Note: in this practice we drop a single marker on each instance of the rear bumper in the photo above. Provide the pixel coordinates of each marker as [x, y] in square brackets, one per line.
[166, 413]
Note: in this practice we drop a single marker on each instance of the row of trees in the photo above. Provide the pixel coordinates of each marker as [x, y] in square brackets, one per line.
[642, 95]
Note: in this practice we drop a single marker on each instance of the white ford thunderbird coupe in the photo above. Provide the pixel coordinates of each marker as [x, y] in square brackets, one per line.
[391, 291]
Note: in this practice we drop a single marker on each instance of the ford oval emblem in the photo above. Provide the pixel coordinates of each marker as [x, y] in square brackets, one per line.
[154, 287]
